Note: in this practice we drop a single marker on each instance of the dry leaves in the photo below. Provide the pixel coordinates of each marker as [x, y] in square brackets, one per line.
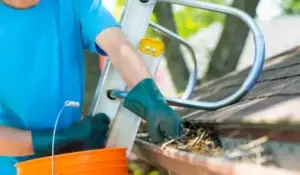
[197, 140]
[202, 140]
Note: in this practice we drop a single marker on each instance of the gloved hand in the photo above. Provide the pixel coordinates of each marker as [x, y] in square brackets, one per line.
[146, 101]
[89, 133]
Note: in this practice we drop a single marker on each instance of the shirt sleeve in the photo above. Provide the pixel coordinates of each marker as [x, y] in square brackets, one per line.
[93, 18]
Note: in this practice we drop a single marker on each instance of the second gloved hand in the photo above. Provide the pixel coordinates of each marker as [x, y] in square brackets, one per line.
[146, 101]
[89, 133]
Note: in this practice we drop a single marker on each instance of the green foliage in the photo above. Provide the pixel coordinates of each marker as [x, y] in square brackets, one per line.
[153, 173]
[291, 6]
[135, 169]
[189, 20]
[120, 2]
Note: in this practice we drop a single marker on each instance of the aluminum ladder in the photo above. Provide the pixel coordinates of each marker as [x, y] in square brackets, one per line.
[111, 88]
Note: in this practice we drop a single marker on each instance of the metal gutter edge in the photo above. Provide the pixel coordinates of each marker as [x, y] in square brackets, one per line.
[184, 163]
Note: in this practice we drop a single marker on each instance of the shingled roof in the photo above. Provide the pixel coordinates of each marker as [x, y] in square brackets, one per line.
[275, 98]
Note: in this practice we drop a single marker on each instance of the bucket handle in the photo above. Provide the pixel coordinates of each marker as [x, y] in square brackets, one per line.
[72, 104]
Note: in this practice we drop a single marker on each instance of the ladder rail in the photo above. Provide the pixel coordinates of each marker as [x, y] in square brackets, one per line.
[100, 85]
[258, 63]
[124, 124]
[193, 75]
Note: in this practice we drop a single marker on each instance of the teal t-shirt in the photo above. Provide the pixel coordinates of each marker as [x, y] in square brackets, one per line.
[42, 62]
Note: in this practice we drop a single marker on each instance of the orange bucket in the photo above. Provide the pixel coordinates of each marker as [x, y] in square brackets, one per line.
[113, 170]
[101, 161]
[116, 170]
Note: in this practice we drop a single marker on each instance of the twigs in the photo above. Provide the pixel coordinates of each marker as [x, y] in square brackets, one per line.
[203, 140]
[195, 139]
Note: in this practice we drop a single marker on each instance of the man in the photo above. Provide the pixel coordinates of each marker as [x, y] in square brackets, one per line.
[41, 66]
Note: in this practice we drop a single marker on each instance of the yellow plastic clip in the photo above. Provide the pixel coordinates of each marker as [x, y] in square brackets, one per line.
[151, 47]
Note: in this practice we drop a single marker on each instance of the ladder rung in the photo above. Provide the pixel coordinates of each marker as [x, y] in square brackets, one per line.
[117, 94]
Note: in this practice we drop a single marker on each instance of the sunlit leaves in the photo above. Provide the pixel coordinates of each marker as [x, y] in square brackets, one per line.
[291, 6]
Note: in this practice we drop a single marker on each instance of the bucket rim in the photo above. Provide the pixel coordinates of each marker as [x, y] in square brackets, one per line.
[118, 167]
[70, 154]
[103, 163]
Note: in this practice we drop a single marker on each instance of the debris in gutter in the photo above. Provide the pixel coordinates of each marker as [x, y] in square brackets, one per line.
[200, 140]
[197, 141]
[204, 141]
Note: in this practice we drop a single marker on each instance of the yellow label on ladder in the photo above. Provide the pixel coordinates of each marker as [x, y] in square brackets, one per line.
[151, 47]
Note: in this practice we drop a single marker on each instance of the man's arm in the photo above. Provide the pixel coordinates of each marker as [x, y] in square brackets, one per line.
[145, 98]
[123, 56]
[102, 33]
[15, 142]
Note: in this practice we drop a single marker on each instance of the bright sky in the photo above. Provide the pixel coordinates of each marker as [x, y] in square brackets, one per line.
[109, 4]
[267, 9]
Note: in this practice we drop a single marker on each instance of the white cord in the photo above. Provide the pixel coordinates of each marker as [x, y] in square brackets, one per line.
[67, 104]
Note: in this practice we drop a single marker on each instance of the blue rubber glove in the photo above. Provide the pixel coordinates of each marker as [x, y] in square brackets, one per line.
[146, 101]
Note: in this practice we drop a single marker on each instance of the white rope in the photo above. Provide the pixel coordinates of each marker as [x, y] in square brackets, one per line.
[67, 104]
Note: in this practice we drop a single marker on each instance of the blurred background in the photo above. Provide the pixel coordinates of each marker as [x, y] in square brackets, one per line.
[222, 44]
